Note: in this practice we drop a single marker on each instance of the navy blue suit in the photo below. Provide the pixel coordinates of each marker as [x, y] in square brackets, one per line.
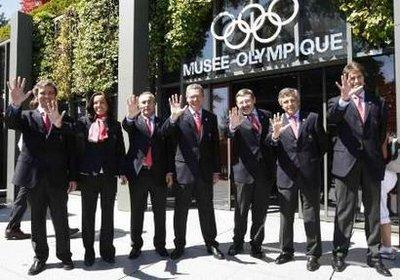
[196, 158]
[99, 165]
[253, 171]
[144, 180]
[358, 161]
[45, 165]
[299, 168]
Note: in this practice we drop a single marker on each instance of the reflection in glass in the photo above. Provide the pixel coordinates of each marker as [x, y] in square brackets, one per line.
[220, 103]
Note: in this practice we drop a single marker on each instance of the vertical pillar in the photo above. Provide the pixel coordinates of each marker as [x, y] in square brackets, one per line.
[20, 65]
[132, 64]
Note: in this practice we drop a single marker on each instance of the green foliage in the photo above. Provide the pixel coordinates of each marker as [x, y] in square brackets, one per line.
[187, 27]
[54, 7]
[43, 46]
[176, 31]
[372, 21]
[65, 42]
[75, 43]
[5, 32]
[96, 52]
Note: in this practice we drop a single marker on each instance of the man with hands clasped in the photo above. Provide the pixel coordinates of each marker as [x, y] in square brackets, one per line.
[45, 166]
[360, 118]
[253, 168]
[194, 135]
[300, 142]
[146, 170]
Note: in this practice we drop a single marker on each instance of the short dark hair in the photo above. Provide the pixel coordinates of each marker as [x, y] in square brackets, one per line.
[353, 66]
[90, 110]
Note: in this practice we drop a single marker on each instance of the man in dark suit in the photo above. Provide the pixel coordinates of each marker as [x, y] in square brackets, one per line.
[300, 142]
[146, 170]
[45, 166]
[252, 170]
[360, 118]
[195, 137]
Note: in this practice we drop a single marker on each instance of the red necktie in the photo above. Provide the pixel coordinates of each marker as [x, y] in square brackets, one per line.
[255, 124]
[47, 122]
[294, 126]
[197, 121]
[148, 160]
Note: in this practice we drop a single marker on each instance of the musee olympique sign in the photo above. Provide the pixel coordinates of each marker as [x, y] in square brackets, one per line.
[331, 42]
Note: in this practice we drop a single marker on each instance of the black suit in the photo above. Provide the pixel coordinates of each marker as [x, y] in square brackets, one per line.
[299, 168]
[196, 159]
[253, 172]
[99, 164]
[144, 180]
[358, 160]
[45, 165]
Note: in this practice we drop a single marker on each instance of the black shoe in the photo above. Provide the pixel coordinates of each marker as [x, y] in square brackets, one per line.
[379, 266]
[73, 231]
[177, 253]
[162, 252]
[235, 249]
[256, 253]
[212, 250]
[312, 263]
[37, 267]
[67, 265]
[89, 257]
[134, 254]
[16, 234]
[284, 258]
[338, 263]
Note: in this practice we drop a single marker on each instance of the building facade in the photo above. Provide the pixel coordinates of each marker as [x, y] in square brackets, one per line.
[267, 45]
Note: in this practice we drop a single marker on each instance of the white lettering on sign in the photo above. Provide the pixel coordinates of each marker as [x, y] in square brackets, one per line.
[332, 42]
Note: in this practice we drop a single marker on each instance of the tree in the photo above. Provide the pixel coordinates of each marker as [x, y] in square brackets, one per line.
[28, 6]
[3, 20]
[372, 21]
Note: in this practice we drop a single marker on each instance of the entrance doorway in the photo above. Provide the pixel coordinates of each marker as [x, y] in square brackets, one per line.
[316, 86]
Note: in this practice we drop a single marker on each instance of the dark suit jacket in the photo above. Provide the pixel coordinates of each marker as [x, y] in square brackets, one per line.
[195, 157]
[42, 154]
[139, 143]
[249, 150]
[299, 160]
[108, 155]
[357, 140]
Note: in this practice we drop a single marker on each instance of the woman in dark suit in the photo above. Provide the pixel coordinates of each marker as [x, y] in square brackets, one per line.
[101, 159]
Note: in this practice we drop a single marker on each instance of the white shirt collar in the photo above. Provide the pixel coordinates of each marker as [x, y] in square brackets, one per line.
[192, 111]
[41, 110]
[151, 118]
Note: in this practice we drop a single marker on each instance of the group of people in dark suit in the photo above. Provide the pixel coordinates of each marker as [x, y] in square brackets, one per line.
[184, 151]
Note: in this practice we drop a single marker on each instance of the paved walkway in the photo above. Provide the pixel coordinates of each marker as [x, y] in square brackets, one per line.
[16, 256]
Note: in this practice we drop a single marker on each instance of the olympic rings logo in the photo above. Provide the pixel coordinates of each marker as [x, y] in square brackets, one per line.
[254, 25]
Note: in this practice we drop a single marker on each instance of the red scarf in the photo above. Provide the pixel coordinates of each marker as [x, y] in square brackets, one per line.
[98, 131]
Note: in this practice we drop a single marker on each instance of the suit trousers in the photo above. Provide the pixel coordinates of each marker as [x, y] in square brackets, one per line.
[91, 188]
[41, 197]
[144, 184]
[346, 206]
[203, 192]
[19, 207]
[288, 198]
[256, 196]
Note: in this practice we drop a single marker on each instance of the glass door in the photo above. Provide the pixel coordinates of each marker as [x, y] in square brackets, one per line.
[220, 106]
